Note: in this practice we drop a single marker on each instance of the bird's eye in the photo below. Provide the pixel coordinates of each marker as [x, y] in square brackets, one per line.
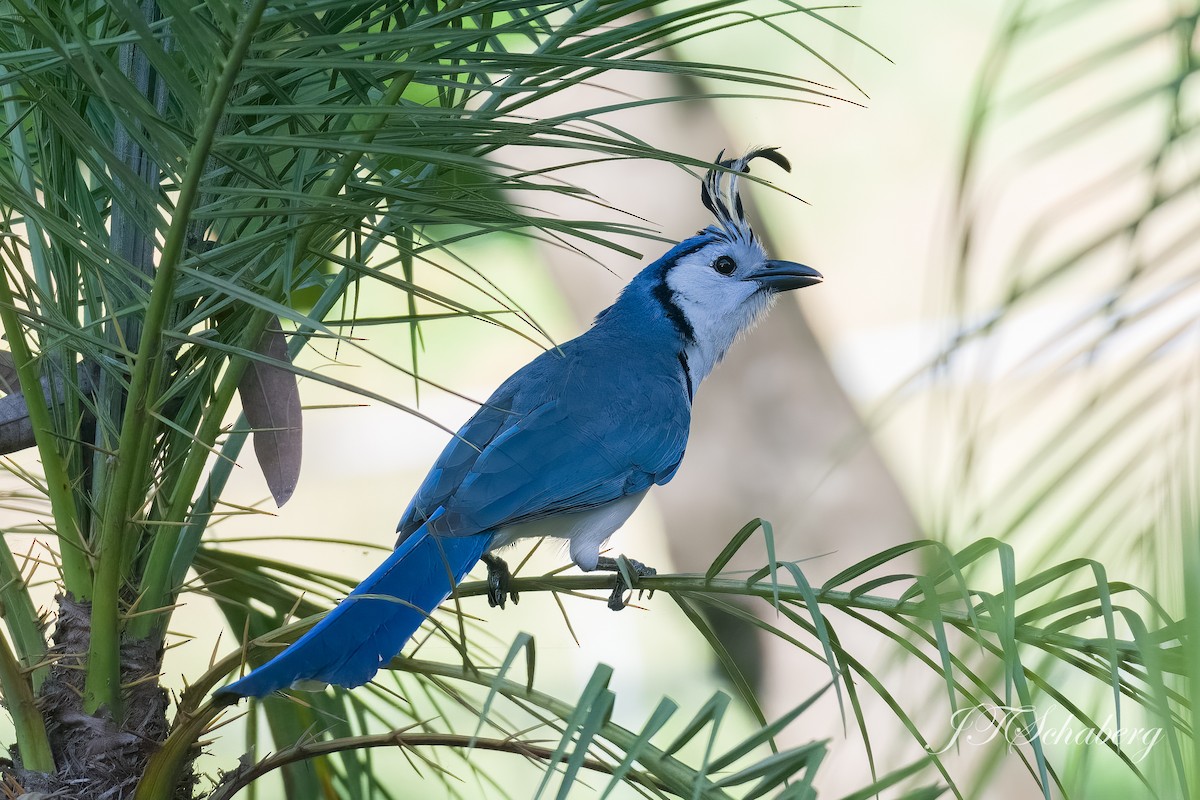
[724, 265]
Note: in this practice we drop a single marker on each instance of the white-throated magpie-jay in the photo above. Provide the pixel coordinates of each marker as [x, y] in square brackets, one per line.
[567, 447]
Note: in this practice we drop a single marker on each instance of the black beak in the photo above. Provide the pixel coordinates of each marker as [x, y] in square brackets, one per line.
[781, 276]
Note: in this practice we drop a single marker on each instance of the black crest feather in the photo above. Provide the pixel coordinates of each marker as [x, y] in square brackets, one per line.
[721, 194]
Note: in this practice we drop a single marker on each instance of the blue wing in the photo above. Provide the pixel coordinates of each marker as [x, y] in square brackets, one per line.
[457, 459]
[577, 439]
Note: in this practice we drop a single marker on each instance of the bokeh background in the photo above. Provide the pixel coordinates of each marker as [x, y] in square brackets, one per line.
[865, 412]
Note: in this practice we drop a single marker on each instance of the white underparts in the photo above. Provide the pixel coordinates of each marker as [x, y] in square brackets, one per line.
[587, 531]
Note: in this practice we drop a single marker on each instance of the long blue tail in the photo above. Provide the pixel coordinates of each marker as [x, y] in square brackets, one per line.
[361, 634]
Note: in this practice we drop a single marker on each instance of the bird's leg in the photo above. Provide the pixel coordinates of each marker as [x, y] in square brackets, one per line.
[499, 581]
[616, 600]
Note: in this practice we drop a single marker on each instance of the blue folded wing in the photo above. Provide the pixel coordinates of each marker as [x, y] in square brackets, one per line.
[571, 430]
[457, 459]
[571, 453]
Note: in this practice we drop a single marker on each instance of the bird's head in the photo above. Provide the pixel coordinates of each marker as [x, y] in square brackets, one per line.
[713, 286]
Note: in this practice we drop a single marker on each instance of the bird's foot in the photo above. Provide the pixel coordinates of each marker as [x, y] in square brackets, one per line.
[499, 581]
[616, 600]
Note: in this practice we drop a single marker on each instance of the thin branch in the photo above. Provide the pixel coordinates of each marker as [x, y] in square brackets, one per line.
[233, 782]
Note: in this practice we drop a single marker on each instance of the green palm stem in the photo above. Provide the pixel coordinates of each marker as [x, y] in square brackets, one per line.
[171, 555]
[130, 242]
[172, 552]
[156, 591]
[102, 687]
[20, 616]
[162, 574]
[165, 767]
[32, 742]
[77, 572]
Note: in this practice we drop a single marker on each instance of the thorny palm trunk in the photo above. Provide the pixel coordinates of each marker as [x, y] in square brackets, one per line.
[103, 754]
[97, 758]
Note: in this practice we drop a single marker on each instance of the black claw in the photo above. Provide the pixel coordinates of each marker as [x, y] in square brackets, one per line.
[499, 581]
[616, 600]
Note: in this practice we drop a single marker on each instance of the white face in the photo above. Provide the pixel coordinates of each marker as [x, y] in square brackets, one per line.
[710, 289]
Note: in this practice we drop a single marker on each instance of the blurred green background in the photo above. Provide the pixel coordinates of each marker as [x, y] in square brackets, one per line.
[947, 323]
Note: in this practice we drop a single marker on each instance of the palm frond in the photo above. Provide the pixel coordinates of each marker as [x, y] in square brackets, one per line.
[1071, 360]
[178, 179]
[1039, 639]
[1086, 299]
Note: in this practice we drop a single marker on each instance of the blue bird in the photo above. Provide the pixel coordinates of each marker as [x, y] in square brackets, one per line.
[567, 447]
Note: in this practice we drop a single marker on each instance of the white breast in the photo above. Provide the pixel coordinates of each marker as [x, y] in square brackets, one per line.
[587, 531]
